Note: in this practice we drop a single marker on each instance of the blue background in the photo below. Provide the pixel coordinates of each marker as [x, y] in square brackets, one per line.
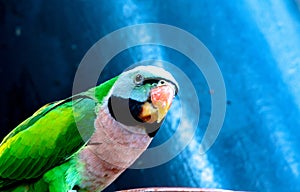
[256, 44]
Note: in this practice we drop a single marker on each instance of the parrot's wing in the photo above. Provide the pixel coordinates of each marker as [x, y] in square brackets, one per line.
[50, 136]
[46, 139]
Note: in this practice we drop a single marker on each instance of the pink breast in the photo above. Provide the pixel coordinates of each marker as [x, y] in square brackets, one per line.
[112, 148]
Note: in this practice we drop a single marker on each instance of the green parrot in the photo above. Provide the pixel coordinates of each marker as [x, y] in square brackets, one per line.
[83, 143]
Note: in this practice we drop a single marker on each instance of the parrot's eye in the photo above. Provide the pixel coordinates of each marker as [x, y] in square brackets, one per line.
[139, 79]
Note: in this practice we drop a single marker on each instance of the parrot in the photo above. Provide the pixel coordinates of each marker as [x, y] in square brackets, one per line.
[83, 143]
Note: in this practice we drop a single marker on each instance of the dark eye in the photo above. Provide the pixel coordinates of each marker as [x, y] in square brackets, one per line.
[139, 79]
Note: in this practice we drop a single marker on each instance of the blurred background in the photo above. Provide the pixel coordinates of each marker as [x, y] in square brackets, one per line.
[255, 43]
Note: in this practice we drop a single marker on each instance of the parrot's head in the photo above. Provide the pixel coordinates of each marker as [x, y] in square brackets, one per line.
[142, 97]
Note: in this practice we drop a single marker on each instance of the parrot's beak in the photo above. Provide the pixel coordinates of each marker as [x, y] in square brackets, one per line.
[161, 100]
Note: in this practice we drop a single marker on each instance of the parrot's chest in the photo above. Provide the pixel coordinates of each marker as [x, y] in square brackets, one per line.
[112, 149]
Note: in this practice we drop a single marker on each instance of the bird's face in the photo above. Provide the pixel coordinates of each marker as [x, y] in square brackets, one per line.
[143, 96]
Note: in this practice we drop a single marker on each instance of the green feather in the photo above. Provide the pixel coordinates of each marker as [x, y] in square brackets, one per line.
[41, 146]
[101, 91]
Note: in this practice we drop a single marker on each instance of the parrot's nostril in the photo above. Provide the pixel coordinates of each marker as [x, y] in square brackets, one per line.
[161, 82]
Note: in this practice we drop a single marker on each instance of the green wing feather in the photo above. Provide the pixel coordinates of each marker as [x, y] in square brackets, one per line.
[50, 136]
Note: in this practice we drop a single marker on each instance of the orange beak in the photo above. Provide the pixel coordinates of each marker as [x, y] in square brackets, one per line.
[162, 97]
[161, 100]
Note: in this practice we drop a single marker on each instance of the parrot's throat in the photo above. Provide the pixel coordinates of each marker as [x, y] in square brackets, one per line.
[127, 112]
[112, 148]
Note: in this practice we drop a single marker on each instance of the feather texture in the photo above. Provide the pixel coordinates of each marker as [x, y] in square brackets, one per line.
[49, 137]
